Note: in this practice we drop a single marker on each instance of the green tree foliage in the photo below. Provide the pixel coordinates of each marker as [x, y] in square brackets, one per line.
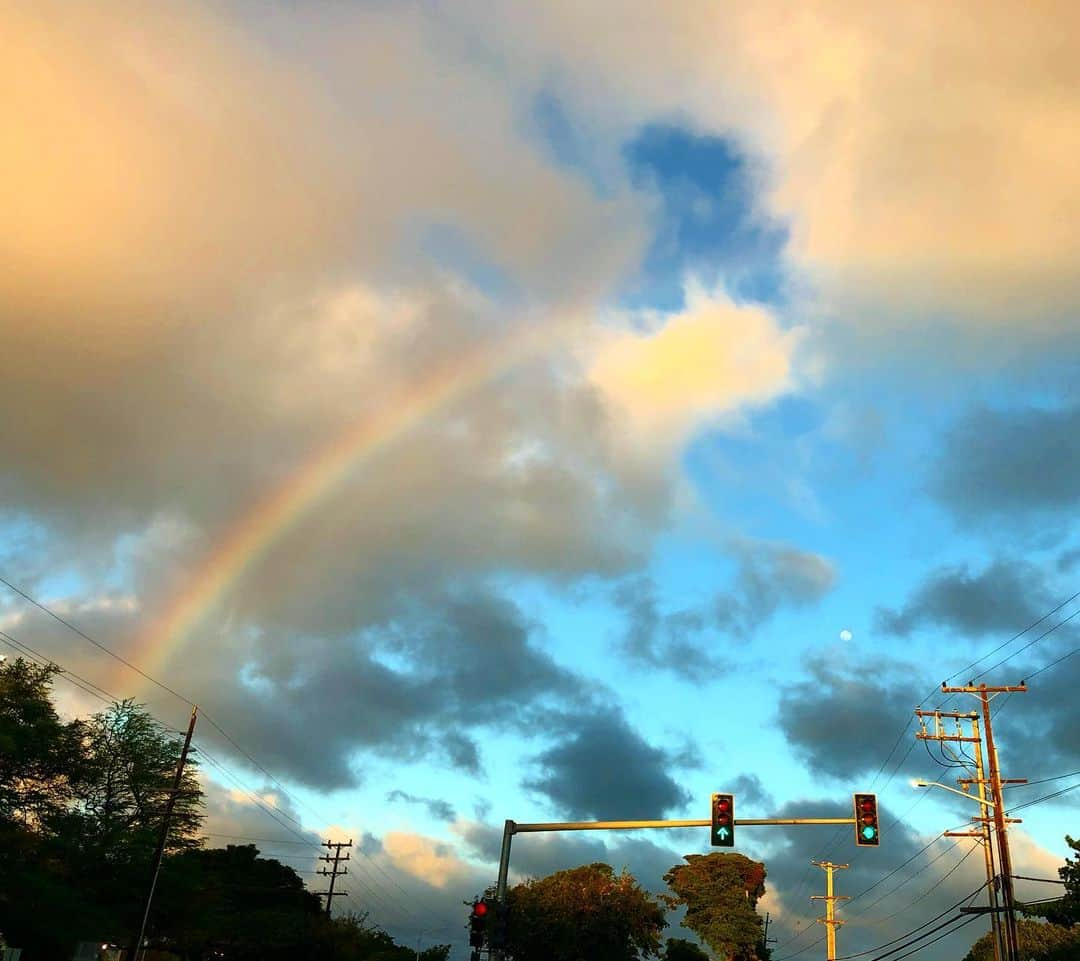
[679, 949]
[81, 804]
[588, 913]
[720, 894]
[1038, 942]
[39, 755]
[1067, 910]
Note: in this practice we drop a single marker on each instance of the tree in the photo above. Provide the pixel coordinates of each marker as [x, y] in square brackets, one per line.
[720, 894]
[1067, 910]
[679, 949]
[587, 913]
[232, 900]
[1038, 942]
[38, 753]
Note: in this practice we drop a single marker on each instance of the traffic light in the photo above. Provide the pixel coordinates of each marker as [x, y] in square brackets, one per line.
[867, 832]
[478, 924]
[723, 820]
[500, 928]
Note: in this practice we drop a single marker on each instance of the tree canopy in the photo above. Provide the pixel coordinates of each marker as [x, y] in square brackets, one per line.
[588, 913]
[720, 894]
[81, 804]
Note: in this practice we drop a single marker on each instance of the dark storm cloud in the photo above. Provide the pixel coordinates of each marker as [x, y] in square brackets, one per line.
[1038, 733]
[602, 768]
[438, 809]
[407, 691]
[1002, 598]
[841, 721]
[1010, 466]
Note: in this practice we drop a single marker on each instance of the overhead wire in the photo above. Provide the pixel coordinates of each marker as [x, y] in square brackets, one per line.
[203, 714]
[274, 813]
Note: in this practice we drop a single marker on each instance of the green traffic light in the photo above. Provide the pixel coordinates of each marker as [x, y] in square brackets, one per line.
[869, 832]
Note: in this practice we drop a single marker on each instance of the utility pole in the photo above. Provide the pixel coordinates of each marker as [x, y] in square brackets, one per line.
[163, 837]
[765, 939]
[983, 834]
[334, 859]
[1012, 941]
[830, 920]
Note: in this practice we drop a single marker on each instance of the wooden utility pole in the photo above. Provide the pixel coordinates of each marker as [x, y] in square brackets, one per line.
[163, 838]
[1012, 940]
[983, 834]
[335, 859]
[830, 920]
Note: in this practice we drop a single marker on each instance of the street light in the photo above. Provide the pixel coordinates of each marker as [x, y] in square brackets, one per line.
[952, 790]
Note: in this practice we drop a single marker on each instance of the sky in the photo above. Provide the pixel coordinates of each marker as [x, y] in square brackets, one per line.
[554, 411]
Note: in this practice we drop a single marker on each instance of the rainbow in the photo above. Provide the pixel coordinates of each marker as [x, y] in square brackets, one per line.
[253, 533]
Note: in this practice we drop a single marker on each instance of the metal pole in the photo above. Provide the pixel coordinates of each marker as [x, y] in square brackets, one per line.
[159, 853]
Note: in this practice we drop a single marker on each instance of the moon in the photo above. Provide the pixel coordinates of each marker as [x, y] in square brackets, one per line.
[846, 635]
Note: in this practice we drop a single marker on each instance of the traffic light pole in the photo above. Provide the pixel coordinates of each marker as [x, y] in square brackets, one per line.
[510, 828]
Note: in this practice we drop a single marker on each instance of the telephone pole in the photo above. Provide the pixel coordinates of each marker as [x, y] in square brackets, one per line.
[983, 834]
[335, 860]
[163, 837]
[1001, 822]
[830, 920]
[765, 939]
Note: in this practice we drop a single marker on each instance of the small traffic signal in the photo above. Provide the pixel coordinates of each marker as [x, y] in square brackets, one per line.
[867, 832]
[723, 821]
[478, 924]
[500, 928]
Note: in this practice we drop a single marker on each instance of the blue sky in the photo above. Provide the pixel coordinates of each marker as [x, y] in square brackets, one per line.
[772, 353]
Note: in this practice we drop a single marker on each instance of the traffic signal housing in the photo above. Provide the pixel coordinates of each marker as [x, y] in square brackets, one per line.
[500, 928]
[478, 924]
[723, 821]
[867, 830]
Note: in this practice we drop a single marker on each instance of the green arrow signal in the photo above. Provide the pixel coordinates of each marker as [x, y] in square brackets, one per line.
[722, 833]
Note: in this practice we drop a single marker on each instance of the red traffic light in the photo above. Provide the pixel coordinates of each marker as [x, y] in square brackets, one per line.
[479, 909]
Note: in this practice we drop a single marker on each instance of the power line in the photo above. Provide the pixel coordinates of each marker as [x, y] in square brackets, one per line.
[101, 647]
[938, 917]
[1015, 637]
[1045, 797]
[1021, 650]
[1043, 780]
[879, 957]
[274, 813]
[72, 627]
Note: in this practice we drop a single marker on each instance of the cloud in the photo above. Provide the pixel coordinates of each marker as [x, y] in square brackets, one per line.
[1002, 598]
[662, 640]
[748, 789]
[709, 359]
[771, 576]
[602, 768]
[438, 809]
[1010, 468]
[839, 719]
[918, 173]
